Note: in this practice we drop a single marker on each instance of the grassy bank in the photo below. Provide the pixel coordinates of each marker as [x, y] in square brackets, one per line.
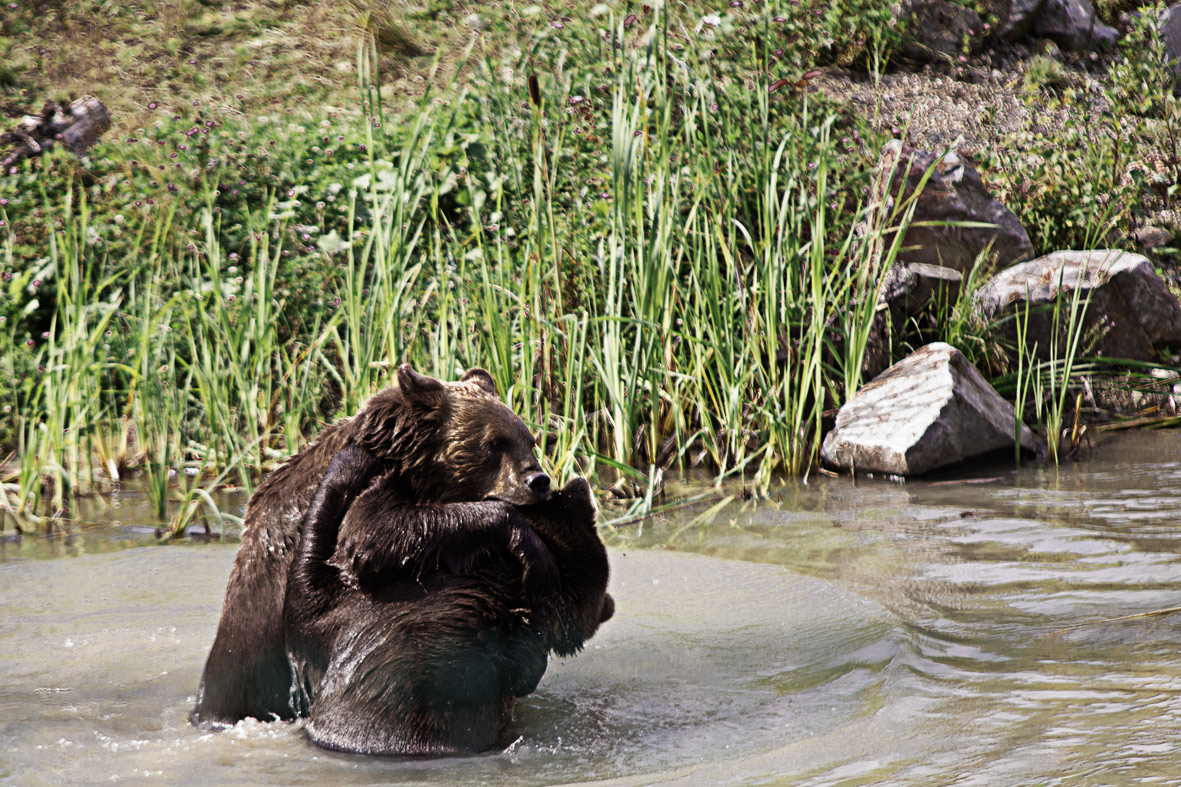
[641, 223]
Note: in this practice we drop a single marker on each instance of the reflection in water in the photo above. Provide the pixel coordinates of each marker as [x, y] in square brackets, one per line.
[981, 577]
[111, 524]
[841, 633]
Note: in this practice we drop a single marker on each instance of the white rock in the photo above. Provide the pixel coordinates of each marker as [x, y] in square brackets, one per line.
[1130, 312]
[930, 410]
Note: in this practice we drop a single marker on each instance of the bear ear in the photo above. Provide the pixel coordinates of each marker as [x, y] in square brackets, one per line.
[482, 379]
[418, 388]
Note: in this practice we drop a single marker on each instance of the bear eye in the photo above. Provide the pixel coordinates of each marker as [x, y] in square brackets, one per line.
[498, 445]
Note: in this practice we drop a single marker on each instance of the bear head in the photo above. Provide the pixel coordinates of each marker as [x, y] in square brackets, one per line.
[448, 442]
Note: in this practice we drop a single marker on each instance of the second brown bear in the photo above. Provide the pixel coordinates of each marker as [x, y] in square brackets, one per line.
[390, 661]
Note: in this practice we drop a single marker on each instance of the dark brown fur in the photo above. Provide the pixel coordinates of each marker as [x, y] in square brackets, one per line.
[408, 430]
[429, 663]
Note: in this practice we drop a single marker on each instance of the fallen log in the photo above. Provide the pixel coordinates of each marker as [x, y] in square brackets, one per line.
[77, 124]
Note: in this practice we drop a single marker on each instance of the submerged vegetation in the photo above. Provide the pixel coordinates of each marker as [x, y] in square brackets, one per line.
[642, 222]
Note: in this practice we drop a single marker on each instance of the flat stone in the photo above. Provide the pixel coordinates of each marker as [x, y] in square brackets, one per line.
[1152, 238]
[1130, 312]
[910, 290]
[911, 286]
[930, 410]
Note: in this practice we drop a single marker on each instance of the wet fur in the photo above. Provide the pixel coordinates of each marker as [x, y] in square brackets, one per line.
[419, 433]
[430, 663]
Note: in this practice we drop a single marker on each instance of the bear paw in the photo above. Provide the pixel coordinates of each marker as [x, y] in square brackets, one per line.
[608, 609]
[577, 499]
[540, 569]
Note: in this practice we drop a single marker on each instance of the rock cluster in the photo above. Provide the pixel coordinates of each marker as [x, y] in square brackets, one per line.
[934, 409]
[943, 29]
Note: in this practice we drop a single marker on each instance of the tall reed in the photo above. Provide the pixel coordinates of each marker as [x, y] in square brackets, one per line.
[677, 285]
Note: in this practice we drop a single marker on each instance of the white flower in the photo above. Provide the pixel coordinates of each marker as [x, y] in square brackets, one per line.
[709, 20]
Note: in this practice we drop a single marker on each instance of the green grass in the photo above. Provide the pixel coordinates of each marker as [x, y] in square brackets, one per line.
[653, 253]
[628, 270]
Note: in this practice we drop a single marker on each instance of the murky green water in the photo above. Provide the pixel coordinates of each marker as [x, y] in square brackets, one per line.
[841, 633]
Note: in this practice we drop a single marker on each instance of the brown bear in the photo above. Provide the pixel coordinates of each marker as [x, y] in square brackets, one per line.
[429, 661]
[430, 439]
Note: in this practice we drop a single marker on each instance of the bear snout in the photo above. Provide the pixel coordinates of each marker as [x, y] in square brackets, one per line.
[539, 484]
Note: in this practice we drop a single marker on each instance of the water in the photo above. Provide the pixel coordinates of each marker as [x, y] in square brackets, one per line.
[841, 633]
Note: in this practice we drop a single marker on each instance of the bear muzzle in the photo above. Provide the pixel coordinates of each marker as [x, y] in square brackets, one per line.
[522, 490]
[539, 484]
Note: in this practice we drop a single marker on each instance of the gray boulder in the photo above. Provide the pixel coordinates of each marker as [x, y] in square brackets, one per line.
[910, 290]
[1073, 25]
[1022, 15]
[998, 12]
[954, 193]
[1170, 32]
[910, 287]
[939, 28]
[1130, 313]
[930, 410]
